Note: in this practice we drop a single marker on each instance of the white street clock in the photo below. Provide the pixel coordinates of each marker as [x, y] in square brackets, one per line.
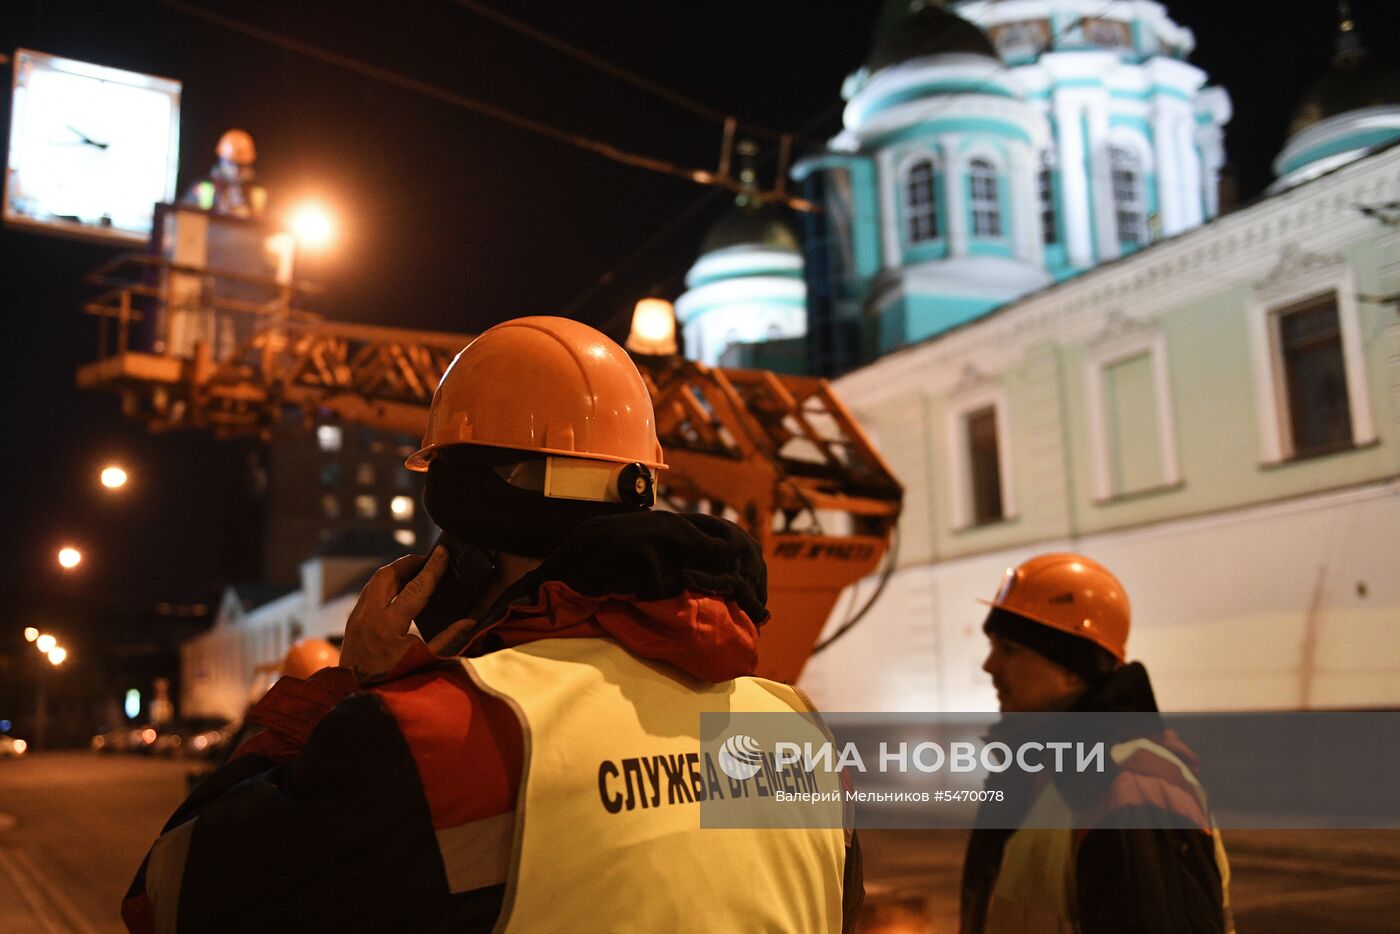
[92, 149]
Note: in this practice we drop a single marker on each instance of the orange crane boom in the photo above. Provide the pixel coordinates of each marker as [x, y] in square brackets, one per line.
[778, 454]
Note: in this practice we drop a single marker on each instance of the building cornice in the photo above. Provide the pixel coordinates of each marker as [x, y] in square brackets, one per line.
[961, 73]
[1319, 218]
[927, 115]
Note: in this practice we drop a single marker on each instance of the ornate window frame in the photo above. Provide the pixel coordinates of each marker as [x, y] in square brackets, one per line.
[1123, 339]
[1297, 277]
[909, 211]
[1118, 151]
[1048, 209]
[973, 393]
[974, 163]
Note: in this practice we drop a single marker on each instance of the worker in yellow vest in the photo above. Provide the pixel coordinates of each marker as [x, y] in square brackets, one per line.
[533, 765]
[1142, 854]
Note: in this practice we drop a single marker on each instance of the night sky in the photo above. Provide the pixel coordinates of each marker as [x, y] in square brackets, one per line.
[451, 220]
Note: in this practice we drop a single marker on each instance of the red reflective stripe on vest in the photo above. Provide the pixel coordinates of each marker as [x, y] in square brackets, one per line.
[465, 744]
[1146, 779]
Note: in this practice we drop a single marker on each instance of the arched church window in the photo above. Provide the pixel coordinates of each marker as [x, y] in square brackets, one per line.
[1129, 203]
[986, 199]
[921, 207]
[1045, 190]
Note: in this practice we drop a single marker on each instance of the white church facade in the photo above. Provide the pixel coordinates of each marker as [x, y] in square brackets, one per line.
[1021, 279]
[1216, 418]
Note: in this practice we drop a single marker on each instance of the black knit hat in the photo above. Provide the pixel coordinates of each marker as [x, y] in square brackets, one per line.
[1079, 655]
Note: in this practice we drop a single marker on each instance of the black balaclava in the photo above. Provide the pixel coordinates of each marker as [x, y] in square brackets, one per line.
[468, 500]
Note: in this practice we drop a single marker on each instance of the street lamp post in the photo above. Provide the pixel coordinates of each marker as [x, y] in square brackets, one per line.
[41, 707]
[56, 655]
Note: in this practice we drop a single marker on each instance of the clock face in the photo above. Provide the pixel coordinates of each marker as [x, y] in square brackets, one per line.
[92, 149]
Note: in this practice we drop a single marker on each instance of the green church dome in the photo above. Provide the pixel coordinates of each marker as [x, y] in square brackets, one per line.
[910, 29]
[749, 226]
[1349, 84]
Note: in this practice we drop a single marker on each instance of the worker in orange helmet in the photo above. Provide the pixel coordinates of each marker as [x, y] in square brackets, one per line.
[303, 659]
[1139, 852]
[228, 188]
[308, 656]
[518, 770]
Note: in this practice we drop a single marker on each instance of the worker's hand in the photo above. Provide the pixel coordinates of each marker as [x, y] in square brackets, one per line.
[452, 640]
[376, 634]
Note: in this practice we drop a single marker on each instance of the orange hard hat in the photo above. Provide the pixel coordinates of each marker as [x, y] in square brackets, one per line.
[308, 656]
[547, 385]
[1071, 593]
[237, 147]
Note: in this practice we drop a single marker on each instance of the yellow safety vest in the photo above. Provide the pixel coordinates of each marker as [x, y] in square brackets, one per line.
[1036, 887]
[604, 841]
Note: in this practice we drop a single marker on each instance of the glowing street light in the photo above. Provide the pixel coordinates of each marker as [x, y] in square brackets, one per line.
[57, 654]
[113, 477]
[45, 643]
[69, 558]
[30, 633]
[313, 226]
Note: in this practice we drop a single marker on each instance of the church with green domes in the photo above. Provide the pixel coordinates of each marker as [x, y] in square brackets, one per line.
[1027, 290]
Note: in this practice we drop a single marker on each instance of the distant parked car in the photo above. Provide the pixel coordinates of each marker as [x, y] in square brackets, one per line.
[126, 739]
[12, 746]
[193, 736]
[210, 744]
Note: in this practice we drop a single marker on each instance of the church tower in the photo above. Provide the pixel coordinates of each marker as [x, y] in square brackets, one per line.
[746, 290]
[992, 147]
[1349, 111]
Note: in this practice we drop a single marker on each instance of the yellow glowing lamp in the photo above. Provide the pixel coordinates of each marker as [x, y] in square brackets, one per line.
[313, 227]
[653, 328]
[113, 477]
[45, 643]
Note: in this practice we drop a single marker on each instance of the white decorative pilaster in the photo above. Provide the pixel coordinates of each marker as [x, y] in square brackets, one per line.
[1026, 242]
[1168, 170]
[887, 179]
[1073, 159]
[1101, 178]
[1190, 161]
[955, 190]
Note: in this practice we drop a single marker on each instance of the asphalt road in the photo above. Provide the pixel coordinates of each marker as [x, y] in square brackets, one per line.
[1282, 882]
[78, 826]
[74, 826]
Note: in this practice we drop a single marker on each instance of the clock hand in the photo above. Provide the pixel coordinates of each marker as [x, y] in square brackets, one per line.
[87, 140]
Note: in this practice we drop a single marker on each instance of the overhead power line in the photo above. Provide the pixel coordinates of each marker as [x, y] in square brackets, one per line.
[670, 228]
[676, 223]
[607, 67]
[530, 125]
